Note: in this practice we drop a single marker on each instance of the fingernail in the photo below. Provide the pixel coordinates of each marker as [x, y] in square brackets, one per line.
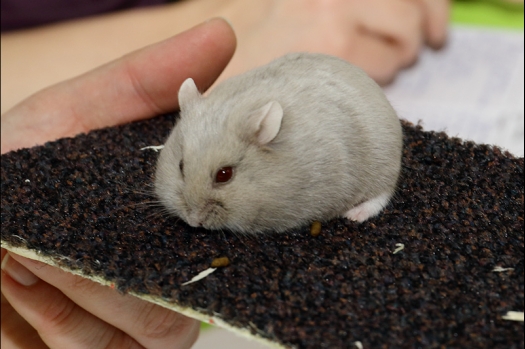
[227, 21]
[18, 272]
[213, 19]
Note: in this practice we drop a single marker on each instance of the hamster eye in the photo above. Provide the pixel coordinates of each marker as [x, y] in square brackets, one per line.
[224, 174]
[181, 167]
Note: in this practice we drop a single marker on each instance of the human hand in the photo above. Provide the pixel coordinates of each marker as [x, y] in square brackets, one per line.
[140, 85]
[379, 36]
[43, 306]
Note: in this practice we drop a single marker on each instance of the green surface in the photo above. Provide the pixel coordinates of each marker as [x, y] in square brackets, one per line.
[205, 326]
[487, 13]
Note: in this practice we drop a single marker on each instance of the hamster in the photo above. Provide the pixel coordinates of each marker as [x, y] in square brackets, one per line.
[305, 137]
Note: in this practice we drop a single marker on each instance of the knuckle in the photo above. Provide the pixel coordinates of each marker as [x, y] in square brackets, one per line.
[410, 53]
[409, 48]
[57, 314]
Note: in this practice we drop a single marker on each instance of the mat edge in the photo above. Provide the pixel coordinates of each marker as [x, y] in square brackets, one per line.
[212, 320]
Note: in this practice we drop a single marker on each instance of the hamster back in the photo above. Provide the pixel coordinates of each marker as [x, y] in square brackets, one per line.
[306, 137]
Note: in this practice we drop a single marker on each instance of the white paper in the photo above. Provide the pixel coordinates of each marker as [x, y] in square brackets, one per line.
[473, 88]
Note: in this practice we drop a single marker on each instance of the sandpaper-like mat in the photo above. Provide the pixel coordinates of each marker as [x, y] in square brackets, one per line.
[82, 202]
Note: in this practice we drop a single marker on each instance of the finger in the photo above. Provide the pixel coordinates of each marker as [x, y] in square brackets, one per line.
[396, 22]
[151, 77]
[381, 60]
[436, 17]
[60, 323]
[139, 85]
[150, 325]
[16, 332]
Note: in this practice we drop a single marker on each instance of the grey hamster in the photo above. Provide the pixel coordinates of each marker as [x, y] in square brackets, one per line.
[305, 137]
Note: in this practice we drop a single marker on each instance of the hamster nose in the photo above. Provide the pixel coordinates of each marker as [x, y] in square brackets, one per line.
[193, 220]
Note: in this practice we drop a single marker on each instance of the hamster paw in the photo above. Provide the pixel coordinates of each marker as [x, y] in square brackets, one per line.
[367, 209]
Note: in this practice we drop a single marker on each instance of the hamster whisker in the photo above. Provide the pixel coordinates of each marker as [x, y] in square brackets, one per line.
[222, 232]
[145, 205]
[243, 235]
[161, 214]
[152, 203]
[132, 189]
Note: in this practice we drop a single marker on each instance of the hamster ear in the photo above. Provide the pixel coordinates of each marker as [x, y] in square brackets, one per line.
[266, 121]
[188, 91]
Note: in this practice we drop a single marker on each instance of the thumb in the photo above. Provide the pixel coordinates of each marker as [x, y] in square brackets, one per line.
[137, 86]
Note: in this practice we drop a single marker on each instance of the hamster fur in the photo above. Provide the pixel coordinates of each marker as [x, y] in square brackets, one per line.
[307, 137]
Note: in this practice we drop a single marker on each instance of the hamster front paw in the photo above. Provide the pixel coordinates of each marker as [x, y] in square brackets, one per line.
[367, 209]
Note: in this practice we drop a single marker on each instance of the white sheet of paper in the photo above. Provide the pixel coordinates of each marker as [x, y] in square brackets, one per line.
[473, 88]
